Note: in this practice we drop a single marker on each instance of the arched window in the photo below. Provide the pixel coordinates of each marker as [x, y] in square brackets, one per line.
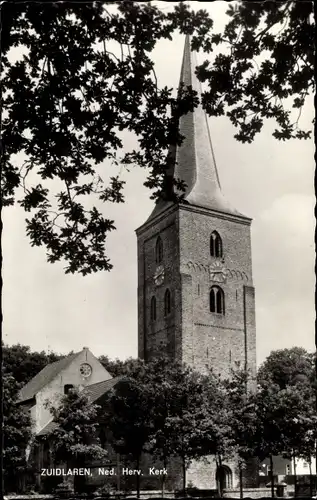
[153, 308]
[217, 300]
[159, 250]
[215, 245]
[167, 302]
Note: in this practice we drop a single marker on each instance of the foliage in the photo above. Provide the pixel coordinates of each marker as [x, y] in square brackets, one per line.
[268, 67]
[300, 422]
[288, 367]
[166, 409]
[128, 415]
[63, 490]
[158, 409]
[16, 431]
[242, 414]
[216, 433]
[75, 76]
[23, 363]
[131, 422]
[66, 102]
[286, 405]
[104, 491]
[217, 437]
[118, 367]
[75, 439]
[292, 373]
[177, 411]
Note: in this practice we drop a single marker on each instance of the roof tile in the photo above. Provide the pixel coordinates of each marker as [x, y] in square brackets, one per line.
[94, 391]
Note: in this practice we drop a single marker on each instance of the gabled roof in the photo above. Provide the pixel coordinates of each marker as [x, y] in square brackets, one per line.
[48, 428]
[44, 377]
[94, 391]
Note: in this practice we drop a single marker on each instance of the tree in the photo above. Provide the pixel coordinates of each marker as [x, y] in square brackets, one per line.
[161, 408]
[288, 367]
[129, 414]
[118, 367]
[270, 435]
[17, 433]
[75, 440]
[70, 95]
[24, 364]
[300, 423]
[76, 94]
[267, 70]
[286, 399]
[216, 435]
[295, 369]
[202, 422]
[177, 412]
[243, 423]
[308, 448]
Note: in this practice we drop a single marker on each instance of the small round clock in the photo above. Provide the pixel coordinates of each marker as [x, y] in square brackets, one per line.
[85, 370]
[159, 275]
[217, 272]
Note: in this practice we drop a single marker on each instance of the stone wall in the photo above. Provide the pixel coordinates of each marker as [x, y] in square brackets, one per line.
[248, 493]
[211, 340]
[159, 335]
[191, 332]
[70, 375]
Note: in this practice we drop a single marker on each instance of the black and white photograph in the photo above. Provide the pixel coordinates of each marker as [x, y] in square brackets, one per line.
[158, 255]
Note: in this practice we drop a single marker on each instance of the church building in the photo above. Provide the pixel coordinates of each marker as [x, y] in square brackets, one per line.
[80, 370]
[195, 289]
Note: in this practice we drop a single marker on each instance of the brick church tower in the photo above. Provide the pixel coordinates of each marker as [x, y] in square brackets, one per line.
[195, 289]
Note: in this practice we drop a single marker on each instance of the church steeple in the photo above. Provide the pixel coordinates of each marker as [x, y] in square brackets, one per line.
[194, 160]
[195, 289]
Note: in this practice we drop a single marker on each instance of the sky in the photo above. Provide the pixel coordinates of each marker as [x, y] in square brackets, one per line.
[268, 180]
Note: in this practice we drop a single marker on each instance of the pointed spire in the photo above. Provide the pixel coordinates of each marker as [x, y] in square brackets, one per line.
[195, 159]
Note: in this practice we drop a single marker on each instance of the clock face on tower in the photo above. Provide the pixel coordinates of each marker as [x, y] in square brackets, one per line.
[159, 275]
[217, 272]
[85, 370]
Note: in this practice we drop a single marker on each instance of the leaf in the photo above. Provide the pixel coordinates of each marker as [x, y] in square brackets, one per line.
[67, 100]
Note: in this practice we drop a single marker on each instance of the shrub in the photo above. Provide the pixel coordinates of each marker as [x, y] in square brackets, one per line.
[104, 491]
[63, 490]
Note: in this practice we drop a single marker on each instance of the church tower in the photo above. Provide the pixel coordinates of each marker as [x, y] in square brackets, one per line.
[195, 289]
